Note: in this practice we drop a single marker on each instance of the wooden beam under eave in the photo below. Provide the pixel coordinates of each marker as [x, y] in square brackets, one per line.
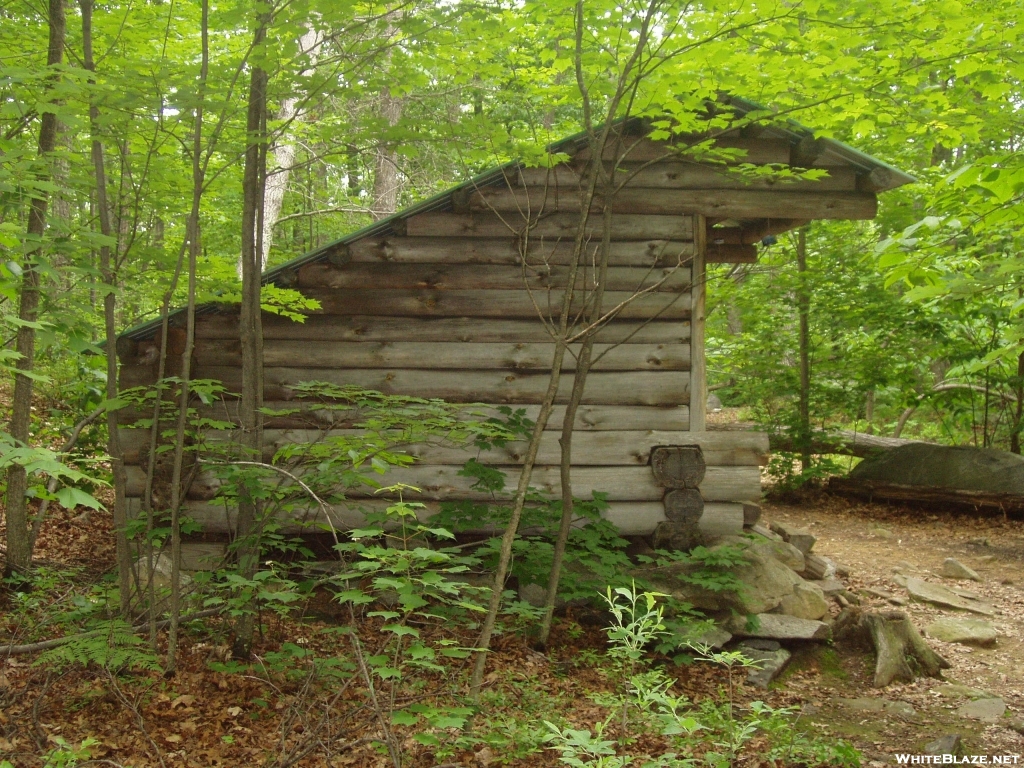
[752, 232]
[721, 253]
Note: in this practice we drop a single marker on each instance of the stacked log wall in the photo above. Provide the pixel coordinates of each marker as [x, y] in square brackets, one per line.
[457, 305]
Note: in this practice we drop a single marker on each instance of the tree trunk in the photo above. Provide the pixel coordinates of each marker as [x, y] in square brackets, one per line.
[385, 168]
[1018, 413]
[902, 654]
[284, 154]
[803, 302]
[110, 278]
[251, 331]
[193, 233]
[19, 555]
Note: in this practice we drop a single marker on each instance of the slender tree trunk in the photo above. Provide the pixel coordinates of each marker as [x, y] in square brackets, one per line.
[19, 555]
[803, 303]
[385, 173]
[119, 512]
[1018, 414]
[284, 154]
[193, 232]
[869, 412]
[251, 331]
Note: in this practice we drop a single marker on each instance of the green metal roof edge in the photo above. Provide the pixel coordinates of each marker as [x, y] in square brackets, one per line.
[442, 200]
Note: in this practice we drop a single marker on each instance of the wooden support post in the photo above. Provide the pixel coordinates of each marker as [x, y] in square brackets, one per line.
[698, 367]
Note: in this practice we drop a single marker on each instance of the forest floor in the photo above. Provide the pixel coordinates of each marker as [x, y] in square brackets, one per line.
[203, 717]
[876, 543]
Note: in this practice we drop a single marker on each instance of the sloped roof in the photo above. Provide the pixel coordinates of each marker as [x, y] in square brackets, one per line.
[442, 201]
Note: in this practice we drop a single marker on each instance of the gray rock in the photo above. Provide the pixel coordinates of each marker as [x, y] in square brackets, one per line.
[986, 710]
[161, 573]
[882, 533]
[761, 530]
[842, 570]
[936, 594]
[900, 579]
[951, 629]
[760, 644]
[881, 594]
[900, 709]
[954, 569]
[946, 745]
[941, 466]
[765, 582]
[776, 626]
[714, 638]
[828, 587]
[987, 559]
[534, 594]
[863, 705]
[956, 690]
[714, 403]
[770, 664]
[800, 538]
[1016, 726]
[805, 602]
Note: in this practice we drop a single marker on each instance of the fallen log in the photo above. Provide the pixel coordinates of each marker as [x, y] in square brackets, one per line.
[901, 651]
[924, 494]
[843, 442]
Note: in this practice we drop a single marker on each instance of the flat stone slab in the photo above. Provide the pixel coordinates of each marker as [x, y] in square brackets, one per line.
[898, 708]
[936, 594]
[946, 745]
[775, 626]
[986, 710]
[770, 664]
[714, 638]
[951, 629]
[954, 569]
[957, 690]
[828, 586]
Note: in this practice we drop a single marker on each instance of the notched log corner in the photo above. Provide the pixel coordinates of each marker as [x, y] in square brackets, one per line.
[902, 654]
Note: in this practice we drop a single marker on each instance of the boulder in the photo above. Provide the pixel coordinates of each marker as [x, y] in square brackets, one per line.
[806, 602]
[533, 594]
[952, 629]
[936, 594]
[986, 710]
[765, 582]
[954, 569]
[161, 573]
[828, 587]
[818, 568]
[942, 466]
[774, 626]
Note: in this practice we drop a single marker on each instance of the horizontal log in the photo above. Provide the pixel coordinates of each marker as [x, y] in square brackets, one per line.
[305, 414]
[606, 448]
[721, 203]
[641, 150]
[844, 442]
[454, 355]
[428, 302]
[556, 226]
[384, 329]
[504, 387]
[503, 250]
[720, 253]
[923, 494]
[444, 483]
[441, 277]
[630, 518]
[690, 175]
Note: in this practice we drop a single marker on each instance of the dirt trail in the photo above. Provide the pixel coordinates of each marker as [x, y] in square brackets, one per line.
[879, 543]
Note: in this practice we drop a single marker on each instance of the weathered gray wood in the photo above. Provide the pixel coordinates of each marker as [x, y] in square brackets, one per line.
[684, 505]
[698, 363]
[454, 355]
[722, 203]
[504, 304]
[323, 275]
[386, 329]
[636, 150]
[590, 448]
[679, 175]
[505, 251]
[558, 225]
[630, 518]
[311, 415]
[503, 387]
[680, 466]
[599, 448]
[721, 253]
[444, 483]
[678, 536]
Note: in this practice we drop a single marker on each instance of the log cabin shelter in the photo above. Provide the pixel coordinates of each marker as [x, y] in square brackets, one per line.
[453, 298]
